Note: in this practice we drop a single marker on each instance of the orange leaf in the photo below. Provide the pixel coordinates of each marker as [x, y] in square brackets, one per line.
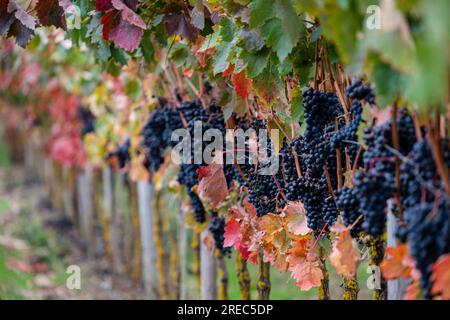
[399, 264]
[441, 277]
[345, 255]
[242, 85]
[212, 187]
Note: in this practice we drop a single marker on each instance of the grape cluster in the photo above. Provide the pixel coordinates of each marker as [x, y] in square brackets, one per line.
[348, 204]
[426, 225]
[122, 153]
[359, 91]
[262, 188]
[87, 119]
[216, 226]
[376, 184]
[154, 138]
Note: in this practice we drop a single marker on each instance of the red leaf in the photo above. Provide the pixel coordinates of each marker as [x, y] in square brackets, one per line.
[398, 263]
[50, 13]
[109, 21]
[441, 277]
[229, 70]
[122, 26]
[232, 233]
[212, 187]
[129, 15]
[242, 85]
[103, 5]
[126, 35]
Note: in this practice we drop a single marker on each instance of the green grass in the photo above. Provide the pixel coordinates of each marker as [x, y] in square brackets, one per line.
[4, 155]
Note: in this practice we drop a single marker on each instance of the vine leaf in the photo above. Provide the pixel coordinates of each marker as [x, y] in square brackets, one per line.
[6, 18]
[121, 24]
[126, 35]
[212, 186]
[304, 264]
[441, 277]
[283, 32]
[51, 13]
[178, 22]
[345, 254]
[21, 27]
[295, 218]
[242, 84]
[398, 263]
[128, 15]
[260, 12]
[232, 233]
[103, 5]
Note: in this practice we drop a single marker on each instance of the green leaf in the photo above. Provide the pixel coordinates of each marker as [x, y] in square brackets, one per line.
[133, 89]
[103, 52]
[292, 25]
[119, 55]
[260, 12]
[227, 30]
[285, 67]
[147, 47]
[221, 60]
[296, 105]
[388, 83]
[256, 62]
[276, 39]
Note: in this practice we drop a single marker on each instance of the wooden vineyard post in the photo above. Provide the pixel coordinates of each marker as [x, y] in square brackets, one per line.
[263, 285]
[195, 246]
[149, 274]
[100, 236]
[324, 290]
[182, 249]
[243, 276]
[86, 207]
[136, 232]
[163, 274]
[396, 288]
[376, 249]
[223, 276]
[173, 282]
[110, 217]
[69, 193]
[208, 270]
[351, 289]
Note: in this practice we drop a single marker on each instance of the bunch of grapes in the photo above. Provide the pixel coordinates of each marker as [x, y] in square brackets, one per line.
[216, 226]
[359, 91]
[348, 204]
[154, 138]
[87, 119]
[376, 184]
[426, 225]
[122, 153]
